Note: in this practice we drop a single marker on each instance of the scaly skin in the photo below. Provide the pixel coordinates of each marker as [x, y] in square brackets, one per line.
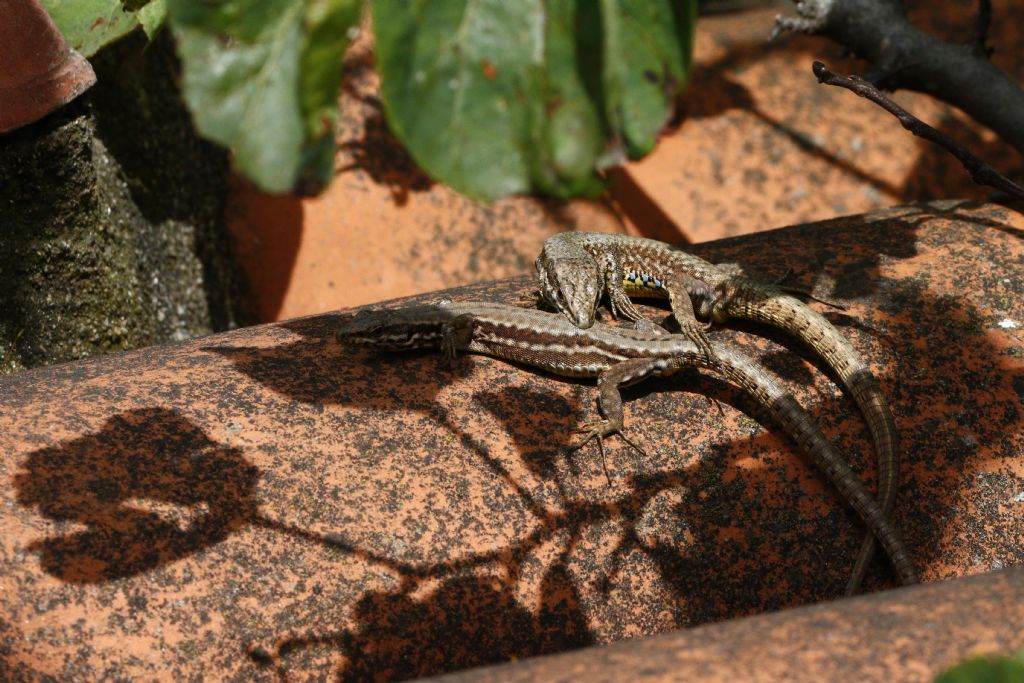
[617, 357]
[576, 268]
[578, 279]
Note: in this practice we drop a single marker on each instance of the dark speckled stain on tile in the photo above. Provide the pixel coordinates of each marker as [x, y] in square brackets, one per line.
[142, 458]
[266, 503]
[906, 635]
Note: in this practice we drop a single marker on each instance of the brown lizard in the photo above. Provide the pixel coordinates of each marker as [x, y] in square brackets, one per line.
[617, 357]
[576, 268]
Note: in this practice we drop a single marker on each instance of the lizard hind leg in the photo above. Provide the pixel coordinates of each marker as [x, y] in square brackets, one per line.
[686, 317]
[609, 401]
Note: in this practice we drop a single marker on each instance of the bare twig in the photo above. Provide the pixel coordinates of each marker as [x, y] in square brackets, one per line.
[903, 56]
[979, 31]
[981, 173]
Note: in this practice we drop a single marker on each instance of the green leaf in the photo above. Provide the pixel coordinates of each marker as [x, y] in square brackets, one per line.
[152, 17]
[458, 78]
[496, 97]
[88, 25]
[568, 125]
[328, 26]
[647, 52]
[985, 670]
[261, 77]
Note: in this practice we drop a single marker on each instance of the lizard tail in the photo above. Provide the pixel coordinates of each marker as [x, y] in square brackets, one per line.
[769, 305]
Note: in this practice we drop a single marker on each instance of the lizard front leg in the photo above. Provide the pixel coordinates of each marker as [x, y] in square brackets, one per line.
[679, 291]
[455, 335]
[682, 310]
[622, 305]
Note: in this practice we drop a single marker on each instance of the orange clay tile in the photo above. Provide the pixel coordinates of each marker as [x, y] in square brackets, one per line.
[906, 635]
[761, 144]
[266, 503]
[39, 71]
[758, 145]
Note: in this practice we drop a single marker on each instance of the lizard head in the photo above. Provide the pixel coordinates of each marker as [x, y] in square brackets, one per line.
[413, 327]
[571, 286]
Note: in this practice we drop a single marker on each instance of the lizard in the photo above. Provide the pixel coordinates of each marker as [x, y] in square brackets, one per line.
[617, 357]
[576, 268]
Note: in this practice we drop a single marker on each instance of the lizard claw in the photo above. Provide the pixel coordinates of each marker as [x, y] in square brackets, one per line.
[448, 347]
[599, 429]
[785, 276]
[697, 334]
[595, 430]
[592, 430]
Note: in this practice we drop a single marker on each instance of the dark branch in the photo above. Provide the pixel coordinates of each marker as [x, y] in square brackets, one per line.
[981, 173]
[979, 32]
[902, 56]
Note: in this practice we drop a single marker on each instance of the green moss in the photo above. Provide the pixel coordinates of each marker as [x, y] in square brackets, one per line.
[111, 221]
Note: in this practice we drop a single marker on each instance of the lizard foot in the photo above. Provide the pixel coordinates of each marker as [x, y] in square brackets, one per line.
[698, 335]
[598, 430]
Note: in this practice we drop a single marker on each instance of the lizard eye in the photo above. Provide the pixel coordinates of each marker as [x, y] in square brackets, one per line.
[552, 296]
